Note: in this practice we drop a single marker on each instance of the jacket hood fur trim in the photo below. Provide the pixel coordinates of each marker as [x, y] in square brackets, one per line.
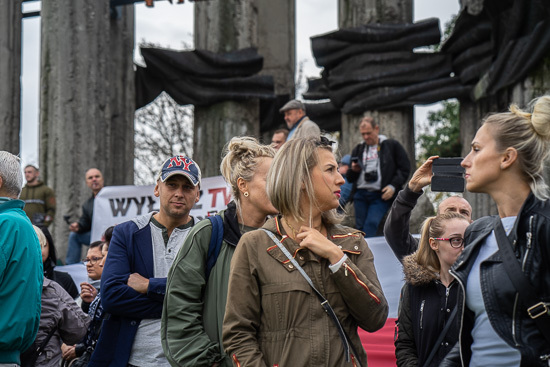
[416, 274]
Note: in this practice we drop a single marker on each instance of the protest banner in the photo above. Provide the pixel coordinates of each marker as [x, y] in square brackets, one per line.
[117, 204]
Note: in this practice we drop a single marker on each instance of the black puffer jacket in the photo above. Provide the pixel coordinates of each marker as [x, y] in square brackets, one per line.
[425, 308]
[507, 314]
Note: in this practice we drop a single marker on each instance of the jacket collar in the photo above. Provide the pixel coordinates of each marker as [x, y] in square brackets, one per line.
[486, 224]
[338, 234]
[232, 233]
[11, 204]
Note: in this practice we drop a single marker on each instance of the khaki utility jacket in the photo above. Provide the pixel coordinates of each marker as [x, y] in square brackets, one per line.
[274, 318]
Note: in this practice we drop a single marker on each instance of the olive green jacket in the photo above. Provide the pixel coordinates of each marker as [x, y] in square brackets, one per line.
[273, 318]
[193, 310]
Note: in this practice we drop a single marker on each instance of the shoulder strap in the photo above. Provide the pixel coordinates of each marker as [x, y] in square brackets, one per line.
[215, 245]
[441, 336]
[324, 302]
[536, 309]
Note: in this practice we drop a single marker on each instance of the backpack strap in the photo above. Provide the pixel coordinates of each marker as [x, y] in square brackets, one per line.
[215, 245]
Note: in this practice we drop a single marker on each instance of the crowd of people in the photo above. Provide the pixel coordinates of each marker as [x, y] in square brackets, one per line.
[275, 279]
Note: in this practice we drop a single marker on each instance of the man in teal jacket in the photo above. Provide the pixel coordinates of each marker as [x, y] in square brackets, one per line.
[20, 266]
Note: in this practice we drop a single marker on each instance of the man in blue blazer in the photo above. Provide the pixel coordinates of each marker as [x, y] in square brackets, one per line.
[133, 283]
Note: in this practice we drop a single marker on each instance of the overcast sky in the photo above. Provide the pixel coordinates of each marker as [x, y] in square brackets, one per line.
[172, 26]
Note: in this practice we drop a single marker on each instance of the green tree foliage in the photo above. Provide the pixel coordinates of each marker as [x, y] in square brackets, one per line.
[441, 136]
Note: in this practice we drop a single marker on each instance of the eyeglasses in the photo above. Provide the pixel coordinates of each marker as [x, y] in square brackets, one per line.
[455, 242]
[92, 261]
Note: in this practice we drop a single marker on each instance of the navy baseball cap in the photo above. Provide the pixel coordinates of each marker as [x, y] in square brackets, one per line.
[180, 165]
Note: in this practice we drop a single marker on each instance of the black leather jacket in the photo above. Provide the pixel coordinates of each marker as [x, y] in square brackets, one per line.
[507, 314]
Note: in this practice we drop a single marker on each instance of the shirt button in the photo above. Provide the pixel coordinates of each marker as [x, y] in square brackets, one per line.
[301, 257]
[291, 266]
[356, 247]
[448, 310]
[169, 250]
[446, 344]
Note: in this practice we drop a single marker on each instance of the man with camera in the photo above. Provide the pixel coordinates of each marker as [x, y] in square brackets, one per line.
[379, 168]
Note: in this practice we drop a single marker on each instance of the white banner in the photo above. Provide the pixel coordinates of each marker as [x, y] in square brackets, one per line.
[117, 204]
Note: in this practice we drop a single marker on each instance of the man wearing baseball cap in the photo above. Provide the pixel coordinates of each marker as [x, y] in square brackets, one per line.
[298, 123]
[133, 283]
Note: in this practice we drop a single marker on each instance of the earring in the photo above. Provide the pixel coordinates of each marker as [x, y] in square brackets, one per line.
[245, 194]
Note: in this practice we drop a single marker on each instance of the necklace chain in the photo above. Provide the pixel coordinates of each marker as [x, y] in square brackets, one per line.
[291, 228]
[294, 232]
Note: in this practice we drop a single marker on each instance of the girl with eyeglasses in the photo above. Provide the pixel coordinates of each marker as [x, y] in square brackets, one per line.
[429, 296]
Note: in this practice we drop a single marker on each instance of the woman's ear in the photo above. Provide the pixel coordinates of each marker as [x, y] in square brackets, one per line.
[433, 244]
[242, 185]
[509, 156]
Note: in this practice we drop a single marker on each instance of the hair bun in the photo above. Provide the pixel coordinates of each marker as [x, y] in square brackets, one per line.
[540, 118]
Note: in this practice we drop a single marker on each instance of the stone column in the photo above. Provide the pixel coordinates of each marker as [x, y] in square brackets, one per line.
[86, 110]
[224, 26]
[10, 74]
[277, 42]
[396, 124]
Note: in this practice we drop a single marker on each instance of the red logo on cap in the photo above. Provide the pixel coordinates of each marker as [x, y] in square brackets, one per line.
[179, 160]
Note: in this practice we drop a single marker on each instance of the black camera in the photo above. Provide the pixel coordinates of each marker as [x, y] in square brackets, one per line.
[371, 176]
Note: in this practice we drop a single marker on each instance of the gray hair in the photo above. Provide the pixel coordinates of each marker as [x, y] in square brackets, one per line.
[10, 172]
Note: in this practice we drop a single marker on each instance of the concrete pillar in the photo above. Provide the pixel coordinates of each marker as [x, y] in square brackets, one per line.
[86, 110]
[277, 42]
[10, 74]
[396, 124]
[224, 26]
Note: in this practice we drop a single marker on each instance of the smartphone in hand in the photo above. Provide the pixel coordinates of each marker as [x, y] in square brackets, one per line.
[448, 175]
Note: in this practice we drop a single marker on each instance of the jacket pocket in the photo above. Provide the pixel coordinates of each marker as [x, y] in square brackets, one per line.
[280, 302]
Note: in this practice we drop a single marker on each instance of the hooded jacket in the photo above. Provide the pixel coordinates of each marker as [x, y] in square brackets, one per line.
[194, 307]
[425, 307]
[39, 203]
[59, 312]
[273, 317]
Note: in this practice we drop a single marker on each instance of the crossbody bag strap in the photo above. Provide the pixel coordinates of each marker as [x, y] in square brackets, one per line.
[536, 309]
[441, 336]
[45, 342]
[324, 302]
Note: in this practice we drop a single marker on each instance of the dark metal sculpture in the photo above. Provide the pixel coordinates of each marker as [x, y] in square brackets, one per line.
[201, 78]
[377, 67]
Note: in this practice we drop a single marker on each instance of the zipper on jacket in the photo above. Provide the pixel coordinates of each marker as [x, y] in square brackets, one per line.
[529, 236]
[422, 313]
[462, 313]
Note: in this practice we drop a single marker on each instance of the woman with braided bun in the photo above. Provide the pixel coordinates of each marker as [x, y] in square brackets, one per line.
[274, 317]
[504, 270]
[194, 304]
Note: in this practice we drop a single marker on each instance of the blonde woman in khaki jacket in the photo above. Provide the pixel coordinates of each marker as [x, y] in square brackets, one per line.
[273, 316]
